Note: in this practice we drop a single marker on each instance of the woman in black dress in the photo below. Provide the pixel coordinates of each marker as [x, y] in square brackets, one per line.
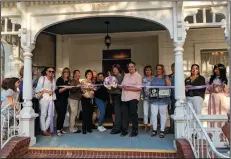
[61, 102]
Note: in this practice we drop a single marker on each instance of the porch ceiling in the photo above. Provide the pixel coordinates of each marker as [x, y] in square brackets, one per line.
[96, 25]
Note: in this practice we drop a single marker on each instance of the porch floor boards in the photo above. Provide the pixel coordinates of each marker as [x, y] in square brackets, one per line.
[105, 140]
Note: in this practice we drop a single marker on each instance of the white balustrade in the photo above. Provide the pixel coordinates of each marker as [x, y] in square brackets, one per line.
[199, 135]
[9, 124]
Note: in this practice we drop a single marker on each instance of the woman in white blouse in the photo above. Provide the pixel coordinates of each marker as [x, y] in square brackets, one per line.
[46, 87]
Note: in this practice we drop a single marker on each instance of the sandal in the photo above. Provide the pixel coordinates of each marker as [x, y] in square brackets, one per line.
[45, 133]
[59, 133]
[153, 133]
[63, 132]
[161, 135]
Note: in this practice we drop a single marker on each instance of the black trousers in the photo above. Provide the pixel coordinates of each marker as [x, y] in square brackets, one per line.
[87, 111]
[61, 109]
[129, 108]
[116, 101]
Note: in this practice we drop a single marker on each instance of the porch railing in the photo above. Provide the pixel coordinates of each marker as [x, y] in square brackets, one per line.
[195, 133]
[212, 125]
[9, 122]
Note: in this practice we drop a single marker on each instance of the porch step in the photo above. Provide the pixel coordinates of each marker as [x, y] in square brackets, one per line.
[35, 152]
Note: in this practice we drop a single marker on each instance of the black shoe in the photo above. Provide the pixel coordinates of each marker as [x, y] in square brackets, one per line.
[78, 131]
[168, 130]
[124, 133]
[115, 131]
[134, 133]
[153, 133]
[84, 132]
[89, 130]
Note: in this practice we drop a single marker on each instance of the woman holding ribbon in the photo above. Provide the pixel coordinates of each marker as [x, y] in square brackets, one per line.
[195, 96]
[74, 100]
[101, 96]
[87, 101]
[116, 99]
[219, 92]
[131, 90]
[160, 103]
[61, 103]
[146, 102]
[45, 93]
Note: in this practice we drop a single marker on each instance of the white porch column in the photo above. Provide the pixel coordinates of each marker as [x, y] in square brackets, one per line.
[179, 89]
[27, 114]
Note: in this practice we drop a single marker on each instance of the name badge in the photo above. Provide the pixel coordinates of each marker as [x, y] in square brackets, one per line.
[159, 92]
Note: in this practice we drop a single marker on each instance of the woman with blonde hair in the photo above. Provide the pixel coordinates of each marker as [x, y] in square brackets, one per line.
[159, 104]
[62, 94]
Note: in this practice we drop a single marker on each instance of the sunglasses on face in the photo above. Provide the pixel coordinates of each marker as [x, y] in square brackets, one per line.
[51, 71]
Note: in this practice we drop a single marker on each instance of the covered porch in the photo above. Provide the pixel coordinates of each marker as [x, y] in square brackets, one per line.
[174, 18]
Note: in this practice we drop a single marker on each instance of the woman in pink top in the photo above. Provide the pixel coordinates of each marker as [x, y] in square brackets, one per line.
[130, 99]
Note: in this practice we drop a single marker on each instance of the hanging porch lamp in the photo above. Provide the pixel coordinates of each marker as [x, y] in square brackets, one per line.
[107, 39]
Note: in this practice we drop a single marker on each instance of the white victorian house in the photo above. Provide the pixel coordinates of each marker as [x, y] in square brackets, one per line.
[71, 34]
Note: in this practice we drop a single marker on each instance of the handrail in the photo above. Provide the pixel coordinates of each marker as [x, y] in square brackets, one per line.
[5, 117]
[207, 138]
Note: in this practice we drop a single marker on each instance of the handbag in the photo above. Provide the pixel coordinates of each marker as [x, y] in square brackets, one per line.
[39, 95]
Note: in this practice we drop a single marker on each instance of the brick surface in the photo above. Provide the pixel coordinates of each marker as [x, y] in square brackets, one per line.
[184, 149]
[94, 154]
[16, 147]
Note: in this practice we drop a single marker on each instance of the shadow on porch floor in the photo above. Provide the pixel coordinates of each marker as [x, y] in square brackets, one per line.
[106, 140]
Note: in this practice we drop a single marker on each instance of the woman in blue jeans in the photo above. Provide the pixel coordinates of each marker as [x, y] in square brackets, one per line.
[101, 96]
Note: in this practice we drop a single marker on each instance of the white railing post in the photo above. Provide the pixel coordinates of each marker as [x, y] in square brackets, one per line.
[27, 114]
[179, 90]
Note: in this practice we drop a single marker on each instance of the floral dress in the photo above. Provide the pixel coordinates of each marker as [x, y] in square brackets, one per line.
[218, 100]
[4, 113]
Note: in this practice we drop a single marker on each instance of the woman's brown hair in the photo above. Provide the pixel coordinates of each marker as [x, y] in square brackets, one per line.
[197, 67]
[74, 72]
[118, 67]
[162, 67]
[146, 67]
[11, 83]
[64, 70]
[5, 83]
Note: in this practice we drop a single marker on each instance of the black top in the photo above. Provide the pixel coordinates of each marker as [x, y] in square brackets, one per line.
[102, 92]
[200, 80]
[64, 95]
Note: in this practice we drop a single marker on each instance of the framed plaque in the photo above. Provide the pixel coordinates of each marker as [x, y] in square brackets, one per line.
[164, 92]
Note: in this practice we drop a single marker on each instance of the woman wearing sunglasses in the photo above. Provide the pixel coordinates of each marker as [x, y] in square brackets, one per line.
[45, 88]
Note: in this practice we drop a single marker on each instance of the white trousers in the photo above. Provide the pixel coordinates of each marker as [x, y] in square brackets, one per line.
[45, 113]
[162, 109]
[146, 108]
[197, 103]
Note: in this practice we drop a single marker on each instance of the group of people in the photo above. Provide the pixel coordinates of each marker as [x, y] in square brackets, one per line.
[70, 92]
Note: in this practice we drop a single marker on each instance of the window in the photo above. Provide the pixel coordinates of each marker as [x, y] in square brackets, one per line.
[111, 57]
[2, 61]
[211, 57]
